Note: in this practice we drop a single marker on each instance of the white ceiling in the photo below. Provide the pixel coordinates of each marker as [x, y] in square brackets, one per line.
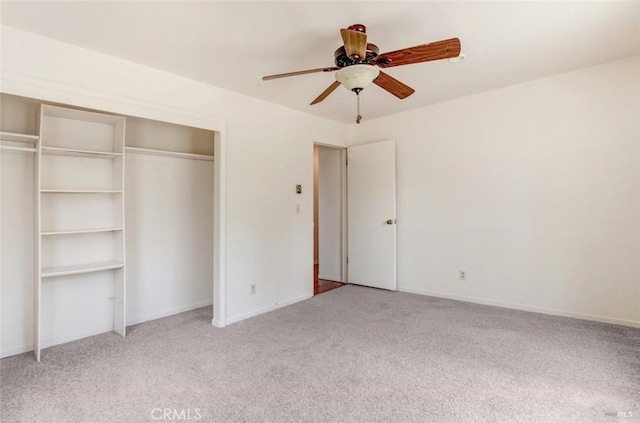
[233, 44]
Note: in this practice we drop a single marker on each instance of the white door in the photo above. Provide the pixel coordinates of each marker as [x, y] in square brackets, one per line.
[371, 214]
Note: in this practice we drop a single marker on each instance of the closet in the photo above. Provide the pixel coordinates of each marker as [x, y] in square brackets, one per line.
[107, 221]
[169, 218]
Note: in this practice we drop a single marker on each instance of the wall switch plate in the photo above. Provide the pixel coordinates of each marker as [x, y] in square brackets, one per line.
[463, 275]
[253, 289]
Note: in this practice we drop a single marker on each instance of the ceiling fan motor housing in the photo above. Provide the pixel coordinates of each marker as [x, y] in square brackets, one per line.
[341, 59]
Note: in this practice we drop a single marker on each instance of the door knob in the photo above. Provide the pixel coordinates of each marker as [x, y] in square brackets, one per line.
[390, 222]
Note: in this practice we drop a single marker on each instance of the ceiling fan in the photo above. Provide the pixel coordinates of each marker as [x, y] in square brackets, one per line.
[357, 64]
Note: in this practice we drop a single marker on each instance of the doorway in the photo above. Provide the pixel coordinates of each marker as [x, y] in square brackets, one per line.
[329, 212]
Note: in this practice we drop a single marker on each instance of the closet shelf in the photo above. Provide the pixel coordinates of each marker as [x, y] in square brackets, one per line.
[81, 231]
[81, 115]
[79, 153]
[167, 153]
[14, 137]
[79, 191]
[50, 272]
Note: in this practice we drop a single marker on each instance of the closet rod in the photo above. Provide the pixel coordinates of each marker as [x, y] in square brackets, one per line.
[16, 137]
[167, 153]
[23, 149]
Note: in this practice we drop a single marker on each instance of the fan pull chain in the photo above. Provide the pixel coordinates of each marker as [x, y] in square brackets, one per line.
[358, 118]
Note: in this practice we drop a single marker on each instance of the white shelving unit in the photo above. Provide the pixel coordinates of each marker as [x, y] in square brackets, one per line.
[79, 207]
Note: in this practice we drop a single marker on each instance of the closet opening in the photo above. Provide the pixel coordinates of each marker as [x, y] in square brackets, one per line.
[112, 220]
[329, 216]
[169, 214]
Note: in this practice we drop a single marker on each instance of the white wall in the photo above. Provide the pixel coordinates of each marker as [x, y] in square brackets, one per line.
[269, 151]
[169, 221]
[533, 190]
[330, 213]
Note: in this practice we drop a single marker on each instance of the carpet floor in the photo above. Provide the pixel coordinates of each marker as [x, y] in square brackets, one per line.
[351, 355]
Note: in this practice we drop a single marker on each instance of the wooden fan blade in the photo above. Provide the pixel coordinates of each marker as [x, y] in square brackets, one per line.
[326, 93]
[444, 49]
[355, 42]
[303, 72]
[395, 87]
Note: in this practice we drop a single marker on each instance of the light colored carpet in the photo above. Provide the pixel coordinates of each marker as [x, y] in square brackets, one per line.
[351, 355]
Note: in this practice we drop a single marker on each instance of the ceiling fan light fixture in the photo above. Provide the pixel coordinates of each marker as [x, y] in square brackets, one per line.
[357, 77]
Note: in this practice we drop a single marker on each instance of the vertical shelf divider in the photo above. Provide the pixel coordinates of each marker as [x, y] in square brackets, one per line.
[119, 281]
[37, 211]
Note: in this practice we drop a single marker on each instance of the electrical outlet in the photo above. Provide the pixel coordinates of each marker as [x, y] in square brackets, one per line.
[253, 289]
[463, 275]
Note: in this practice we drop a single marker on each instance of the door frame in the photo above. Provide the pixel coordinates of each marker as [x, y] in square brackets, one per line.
[343, 206]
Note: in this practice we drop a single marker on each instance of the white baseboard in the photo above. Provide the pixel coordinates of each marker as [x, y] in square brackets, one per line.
[56, 341]
[46, 343]
[330, 278]
[15, 351]
[217, 323]
[263, 310]
[159, 315]
[523, 307]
